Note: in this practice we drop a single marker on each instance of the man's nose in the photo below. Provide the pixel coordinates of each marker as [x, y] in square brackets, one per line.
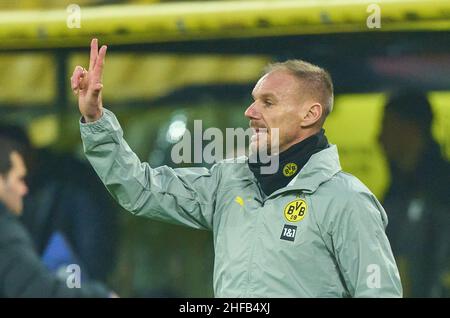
[24, 190]
[251, 112]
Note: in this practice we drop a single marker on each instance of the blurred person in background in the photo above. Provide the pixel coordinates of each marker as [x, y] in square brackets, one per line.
[68, 218]
[305, 230]
[418, 199]
[22, 273]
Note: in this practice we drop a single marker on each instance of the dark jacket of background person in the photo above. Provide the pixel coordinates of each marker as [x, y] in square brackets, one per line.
[67, 198]
[418, 199]
[419, 227]
[21, 272]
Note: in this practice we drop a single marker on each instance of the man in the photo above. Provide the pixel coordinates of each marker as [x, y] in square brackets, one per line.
[21, 272]
[67, 220]
[308, 230]
[418, 197]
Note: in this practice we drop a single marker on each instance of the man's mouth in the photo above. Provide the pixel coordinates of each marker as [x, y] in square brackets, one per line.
[257, 130]
[259, 133]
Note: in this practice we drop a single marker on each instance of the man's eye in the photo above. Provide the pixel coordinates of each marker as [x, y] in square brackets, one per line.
[268, 103]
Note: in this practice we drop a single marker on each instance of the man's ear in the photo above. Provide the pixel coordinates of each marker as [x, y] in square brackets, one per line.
[313, 114]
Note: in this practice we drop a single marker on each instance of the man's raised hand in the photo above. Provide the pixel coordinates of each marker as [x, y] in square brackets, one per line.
[87, 84]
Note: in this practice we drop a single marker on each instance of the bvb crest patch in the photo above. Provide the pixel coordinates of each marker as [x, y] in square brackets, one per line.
[290, 169]
[296, 210]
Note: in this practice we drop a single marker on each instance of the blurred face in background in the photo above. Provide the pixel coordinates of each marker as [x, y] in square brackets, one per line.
[12, 185]
[277, 104]
[402, 141]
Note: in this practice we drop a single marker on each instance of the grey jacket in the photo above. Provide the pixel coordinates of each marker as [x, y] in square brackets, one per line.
[320, 236]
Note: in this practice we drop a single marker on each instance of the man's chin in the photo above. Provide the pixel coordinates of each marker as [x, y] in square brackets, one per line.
[258, 148]
[17, 210]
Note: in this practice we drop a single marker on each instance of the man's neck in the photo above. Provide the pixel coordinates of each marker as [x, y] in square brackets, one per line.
[291, 161]
[305, 134]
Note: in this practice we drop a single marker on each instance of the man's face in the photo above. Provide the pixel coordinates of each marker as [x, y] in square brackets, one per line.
[277, 104]
[402, 141]
[12, 185]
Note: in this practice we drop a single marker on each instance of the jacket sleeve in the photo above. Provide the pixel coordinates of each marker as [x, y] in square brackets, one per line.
[362, 250]
[182, 196]
[23, 275]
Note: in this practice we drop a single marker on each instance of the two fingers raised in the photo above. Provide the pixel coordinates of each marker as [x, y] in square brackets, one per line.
[96, 62]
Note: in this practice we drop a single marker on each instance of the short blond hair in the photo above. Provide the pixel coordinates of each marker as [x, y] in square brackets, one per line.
[316, 79]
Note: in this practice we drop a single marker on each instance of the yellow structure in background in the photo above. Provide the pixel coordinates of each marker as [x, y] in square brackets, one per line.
[163, 22]
[27, 78]
[32, 76]
[148, 76]
[440, 102]
[354, 125]
[44, 131]
[54, 4]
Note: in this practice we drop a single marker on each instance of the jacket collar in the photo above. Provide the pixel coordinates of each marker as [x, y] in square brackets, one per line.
[320, 168]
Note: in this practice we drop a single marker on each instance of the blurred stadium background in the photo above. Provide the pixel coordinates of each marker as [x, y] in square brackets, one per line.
[170, 62]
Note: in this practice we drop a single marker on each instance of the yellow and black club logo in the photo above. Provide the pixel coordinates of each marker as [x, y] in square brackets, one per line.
[289, 169]
[296, 210]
